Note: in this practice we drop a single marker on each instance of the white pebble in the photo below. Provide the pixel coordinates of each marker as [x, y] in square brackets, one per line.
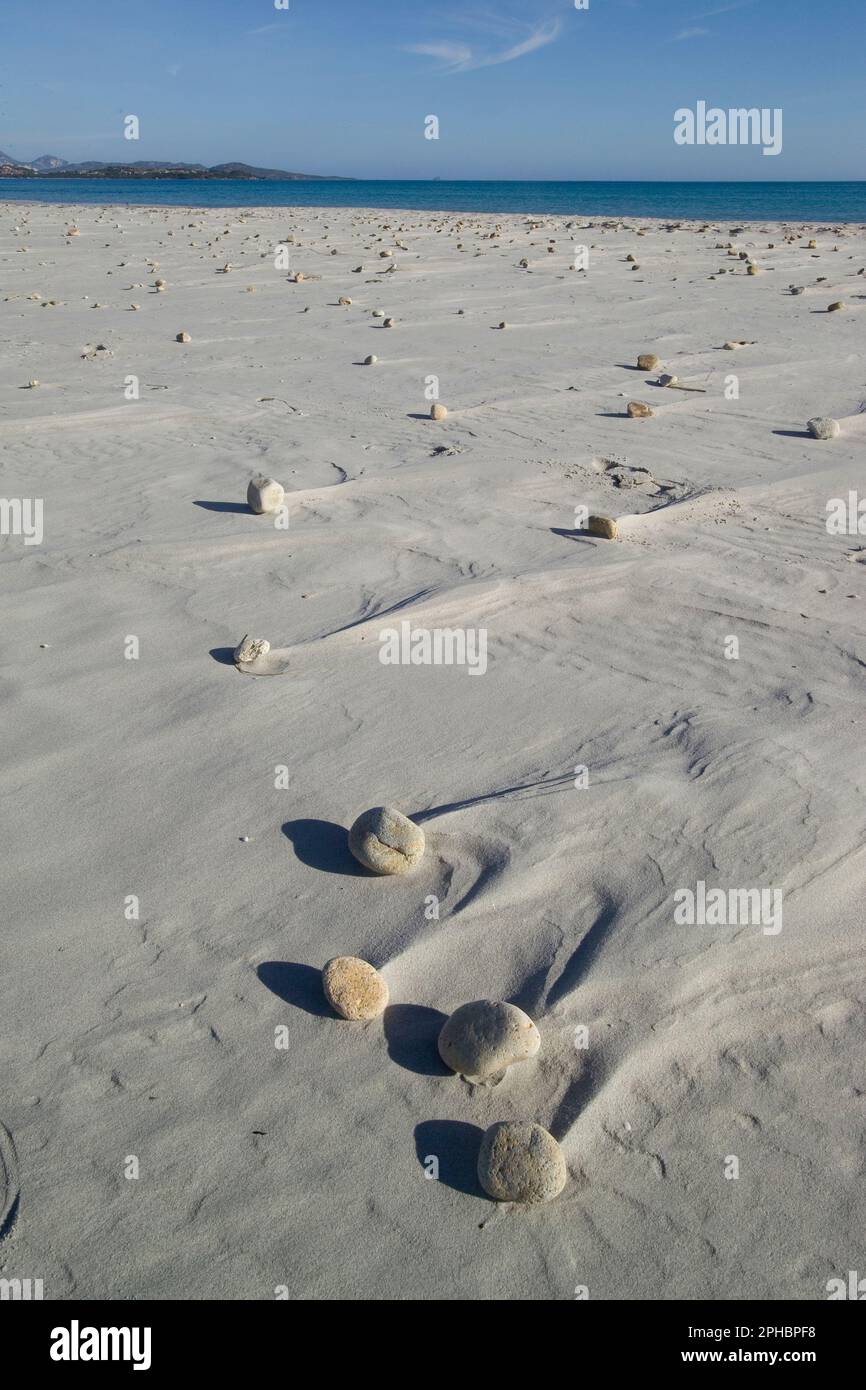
[481, 1040]
[519, 1161]
[264, 495]
[250, 649]
[823, 427]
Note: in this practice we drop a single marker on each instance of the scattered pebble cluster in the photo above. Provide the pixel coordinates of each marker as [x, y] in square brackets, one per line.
[518, 1161]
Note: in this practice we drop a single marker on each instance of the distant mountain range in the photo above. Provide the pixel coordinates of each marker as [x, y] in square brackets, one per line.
[50, 166]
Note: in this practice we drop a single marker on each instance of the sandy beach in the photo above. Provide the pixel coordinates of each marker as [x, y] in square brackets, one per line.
[183, 1115]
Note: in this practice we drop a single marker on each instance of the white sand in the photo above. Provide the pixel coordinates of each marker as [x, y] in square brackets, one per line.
[304, 1167]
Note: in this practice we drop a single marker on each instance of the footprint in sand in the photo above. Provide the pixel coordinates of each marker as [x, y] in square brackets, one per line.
[624, 475]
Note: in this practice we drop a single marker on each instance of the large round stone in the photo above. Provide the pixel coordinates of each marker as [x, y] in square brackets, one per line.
[481, 1040]
[520, 1162]
[354, 988]
[386, 841]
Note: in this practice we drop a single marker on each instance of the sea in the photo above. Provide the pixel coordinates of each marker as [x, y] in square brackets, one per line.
[748, 202]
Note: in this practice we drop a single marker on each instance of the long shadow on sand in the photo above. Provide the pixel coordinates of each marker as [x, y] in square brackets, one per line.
[225, 507]
[539, 786]
[411, 1032]
[224, 655]
[582, 537]
[456, 1146]
[299, 985]
[324, 845]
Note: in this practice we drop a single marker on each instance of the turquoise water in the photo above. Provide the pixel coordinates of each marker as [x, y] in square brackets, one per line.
[793, 202]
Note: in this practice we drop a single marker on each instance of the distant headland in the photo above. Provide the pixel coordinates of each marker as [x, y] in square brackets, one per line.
[50, 166]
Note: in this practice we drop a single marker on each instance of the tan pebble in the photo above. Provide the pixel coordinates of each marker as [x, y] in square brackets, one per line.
[647, 362]
[638, 410]
[354, 988]
[390, 323]
[344, 302]
[371, 360]
[836, 306]
[183, 338]
[438, 412]
[604, 526]
[386, 841]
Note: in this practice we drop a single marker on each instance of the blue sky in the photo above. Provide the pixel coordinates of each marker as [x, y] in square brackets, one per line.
[533, 89]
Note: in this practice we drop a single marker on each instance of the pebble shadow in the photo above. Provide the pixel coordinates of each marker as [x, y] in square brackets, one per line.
[411, 1033]
[296, 984]
[455, 1144]
[325, 846]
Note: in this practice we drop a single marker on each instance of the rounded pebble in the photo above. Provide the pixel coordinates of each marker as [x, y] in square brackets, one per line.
[386, 841]
[603, 526]
[264, 495]
[251, 648]
[354, 989]
[638, 410]
[481, 1040]
[823, 427]
[519, 1161]
[647, 362]
[438, 412]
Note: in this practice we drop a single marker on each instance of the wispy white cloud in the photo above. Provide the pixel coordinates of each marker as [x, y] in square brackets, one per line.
[725, 9]
[457, 55]
[461, 57]
[696, 31]
[262, 29]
